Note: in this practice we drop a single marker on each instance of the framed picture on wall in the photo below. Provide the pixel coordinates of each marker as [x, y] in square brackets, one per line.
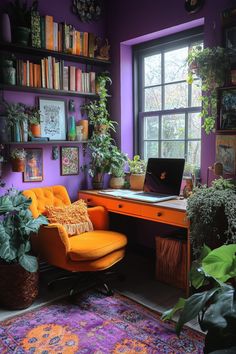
[227, 109]
[226, 152]
[69, 160]
[53, 118]
[33, 165]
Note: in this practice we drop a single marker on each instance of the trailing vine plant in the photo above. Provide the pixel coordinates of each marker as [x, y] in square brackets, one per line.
[212, 214]
[211, 65]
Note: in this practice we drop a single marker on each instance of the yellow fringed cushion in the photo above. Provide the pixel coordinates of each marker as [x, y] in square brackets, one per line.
[73, 217]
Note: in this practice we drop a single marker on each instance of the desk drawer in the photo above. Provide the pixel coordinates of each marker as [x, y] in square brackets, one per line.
[116, 205]
[167, 216]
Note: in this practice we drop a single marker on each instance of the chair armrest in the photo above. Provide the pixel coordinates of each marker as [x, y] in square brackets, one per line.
[52, 243]
[99, 217]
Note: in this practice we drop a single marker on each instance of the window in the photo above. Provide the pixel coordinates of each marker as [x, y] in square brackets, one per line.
[167, 107]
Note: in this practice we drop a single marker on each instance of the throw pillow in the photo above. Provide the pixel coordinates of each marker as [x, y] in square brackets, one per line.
[73, 217]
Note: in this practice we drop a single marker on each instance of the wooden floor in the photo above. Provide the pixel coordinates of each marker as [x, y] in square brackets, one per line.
[139, 284]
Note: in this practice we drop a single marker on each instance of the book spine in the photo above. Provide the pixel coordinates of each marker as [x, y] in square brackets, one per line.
[27, 73]
[81, 43]
[78, 79]
[60, 37]
[55, 36]
[43, 76]
[42, 32]
[92, 80]
[49, 32]
[85, 44]
[65, 78]
[91, 45]
[72, 78]
[24, 73]
[35, 30]
[31, 77]
[78, 43]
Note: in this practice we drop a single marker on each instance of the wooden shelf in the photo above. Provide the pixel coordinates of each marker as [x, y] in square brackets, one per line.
[47, 91]
[49, 142]
[17, 48]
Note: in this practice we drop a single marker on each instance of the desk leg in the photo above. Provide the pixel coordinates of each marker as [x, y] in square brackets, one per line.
[187, 290]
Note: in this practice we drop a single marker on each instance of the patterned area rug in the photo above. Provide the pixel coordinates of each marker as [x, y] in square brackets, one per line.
[96, 325]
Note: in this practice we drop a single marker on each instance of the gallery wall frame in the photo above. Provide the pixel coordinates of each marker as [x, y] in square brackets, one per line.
[69, 160]
[33, 165]
[226, 153]
[53, 117]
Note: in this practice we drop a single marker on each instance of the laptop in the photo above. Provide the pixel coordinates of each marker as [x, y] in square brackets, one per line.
[162, 180]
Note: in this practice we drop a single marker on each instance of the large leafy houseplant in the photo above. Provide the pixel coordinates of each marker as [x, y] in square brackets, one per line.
[216, 306]
[17, 224]
[212, 214]
[211, 65]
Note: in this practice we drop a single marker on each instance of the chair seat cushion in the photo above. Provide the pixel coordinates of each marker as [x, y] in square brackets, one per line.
[95, 244]
[73, 217]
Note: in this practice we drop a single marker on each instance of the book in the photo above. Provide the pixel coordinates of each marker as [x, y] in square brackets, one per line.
[65, 78]
[31, 74]
[78, 51]
[49, 32]
[35, 29]
[78, 83]
[66, 38]
[72, 78]
[92, 81]
[27, 73]
[42, 32]
[85, 44]
[91, 45]
[40, 138]
[55, 36]
[43, 74]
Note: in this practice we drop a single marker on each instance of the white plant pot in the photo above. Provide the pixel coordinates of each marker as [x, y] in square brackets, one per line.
[117, 182]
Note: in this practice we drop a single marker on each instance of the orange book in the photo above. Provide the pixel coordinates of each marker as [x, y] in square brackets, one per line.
[24, 74]
[49, 32]
[39, 81]
[78, 81]
[35, 75]
[85, 46]
[31, 74]
[78, 46]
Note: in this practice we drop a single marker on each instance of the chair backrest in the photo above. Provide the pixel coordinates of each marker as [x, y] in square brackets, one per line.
[46, 196]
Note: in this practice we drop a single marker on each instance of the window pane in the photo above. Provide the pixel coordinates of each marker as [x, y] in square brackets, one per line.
[152, 99]
[175, 65]
[152, 70]
[194, 126]
[150, 149]
[194, 151]
[151, 127]
[172, 149]
[173, 126]
[196, 94]
[176, 95]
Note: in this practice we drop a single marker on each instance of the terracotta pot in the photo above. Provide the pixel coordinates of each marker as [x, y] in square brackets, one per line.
[18, 165]
[18, 287]
[35, 130]
[117, 182]
[136, 181]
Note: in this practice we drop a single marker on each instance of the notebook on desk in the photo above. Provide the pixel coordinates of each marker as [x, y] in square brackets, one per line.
[162, 181]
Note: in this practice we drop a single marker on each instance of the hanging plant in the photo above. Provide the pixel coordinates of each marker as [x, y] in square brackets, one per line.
[212, 66]
[87, 10]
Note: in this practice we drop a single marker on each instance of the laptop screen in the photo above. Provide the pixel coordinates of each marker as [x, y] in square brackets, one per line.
[164, 175]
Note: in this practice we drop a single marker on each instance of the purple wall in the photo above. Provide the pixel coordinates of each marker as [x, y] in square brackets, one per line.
[131, 22]
[61, 11]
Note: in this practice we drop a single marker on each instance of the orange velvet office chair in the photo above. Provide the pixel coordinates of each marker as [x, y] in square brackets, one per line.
[92, 251]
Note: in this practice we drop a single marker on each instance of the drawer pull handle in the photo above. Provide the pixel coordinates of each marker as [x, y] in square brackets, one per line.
[159, 213]
[89, 200]
[120, 206]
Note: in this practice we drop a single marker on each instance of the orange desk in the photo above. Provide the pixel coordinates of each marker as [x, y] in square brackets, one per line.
[171, 212]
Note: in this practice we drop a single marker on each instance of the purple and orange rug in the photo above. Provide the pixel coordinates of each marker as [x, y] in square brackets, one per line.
[97, 325]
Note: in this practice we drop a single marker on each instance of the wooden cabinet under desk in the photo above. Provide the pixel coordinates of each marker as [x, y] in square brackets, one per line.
[171, 212]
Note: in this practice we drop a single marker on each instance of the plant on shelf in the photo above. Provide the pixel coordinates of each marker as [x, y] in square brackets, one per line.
[117, 165]
[212, 66]
[212, 215]
[17, 121]
[215, 307]
[137, 168]
[18, 267]
[18, 160]
[20, 16]
[34, 119]
[103, 151]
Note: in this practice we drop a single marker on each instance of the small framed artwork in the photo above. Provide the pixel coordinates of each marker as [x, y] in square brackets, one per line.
[230, 37]
[227, 109]
[69, 160]
[53, 118]
[226, 152]
[33, 165]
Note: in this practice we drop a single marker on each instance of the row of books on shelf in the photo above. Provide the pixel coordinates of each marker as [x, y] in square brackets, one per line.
[61, 37]
[53, 74]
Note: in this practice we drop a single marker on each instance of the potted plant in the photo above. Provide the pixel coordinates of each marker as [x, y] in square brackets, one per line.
[17, 121]
[18, 268]
[20, 17]
[212, 66]
[137, 168]
[18, 160]
[34, 120]
[216, 306]
[117, 164]
[212, 215]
